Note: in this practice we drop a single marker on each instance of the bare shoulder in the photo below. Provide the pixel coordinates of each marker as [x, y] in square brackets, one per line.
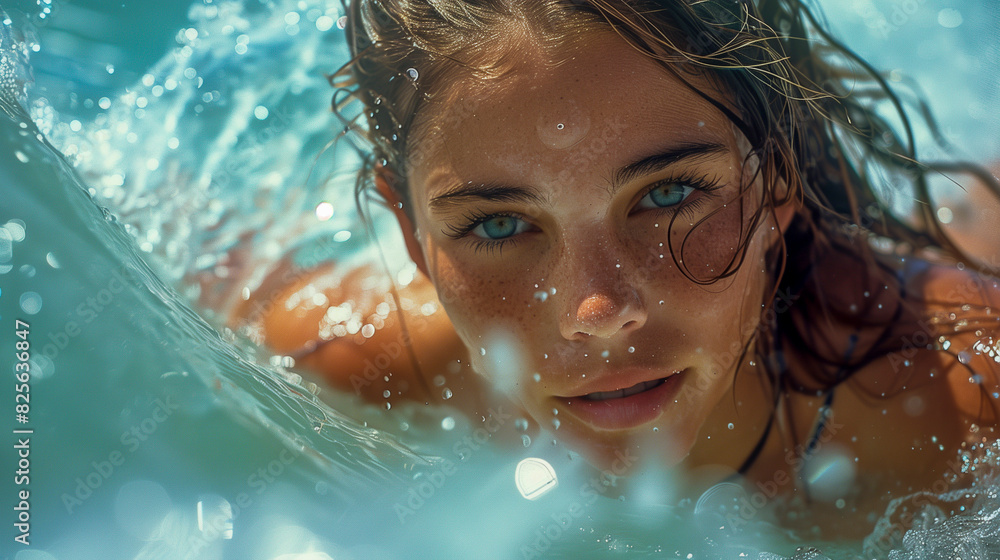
[962, 310]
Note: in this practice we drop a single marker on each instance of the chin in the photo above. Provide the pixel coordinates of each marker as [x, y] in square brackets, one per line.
[621, 454]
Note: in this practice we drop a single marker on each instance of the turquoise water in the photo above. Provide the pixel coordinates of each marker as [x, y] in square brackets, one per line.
[157, 433]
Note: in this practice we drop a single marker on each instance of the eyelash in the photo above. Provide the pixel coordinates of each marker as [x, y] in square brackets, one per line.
[473, 219]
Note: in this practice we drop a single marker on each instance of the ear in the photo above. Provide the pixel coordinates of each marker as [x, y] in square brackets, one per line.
[382, 182]
[784, 213]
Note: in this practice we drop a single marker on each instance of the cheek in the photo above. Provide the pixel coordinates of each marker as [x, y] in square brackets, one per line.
[707, 249]
[480, 302]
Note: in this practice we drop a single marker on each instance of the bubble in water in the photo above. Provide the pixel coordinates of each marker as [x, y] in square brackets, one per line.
[555, 423]
[535, 478]
[368, 330]
[964, 357]
[439, 380]
[16, 230]
[950, 18]
[829, 472]
[448, 423]
[6, 245]
[446, 394]
[631, 349]
[324, 211]
[541, 295]
[482, 351]
[27, 270]
[387, 393]
[342, 22]
[20, 155]
[412, 74]
[526, 440]
[731, 426]
[31, 303]
[324, 23]
[521, 424]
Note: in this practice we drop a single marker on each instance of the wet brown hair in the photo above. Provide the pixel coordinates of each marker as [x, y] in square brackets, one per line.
[806, 103]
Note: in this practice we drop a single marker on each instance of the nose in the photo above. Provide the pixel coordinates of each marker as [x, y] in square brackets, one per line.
[604, 313]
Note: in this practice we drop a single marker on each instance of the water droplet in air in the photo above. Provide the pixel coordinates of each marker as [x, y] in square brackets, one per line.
[31, 303]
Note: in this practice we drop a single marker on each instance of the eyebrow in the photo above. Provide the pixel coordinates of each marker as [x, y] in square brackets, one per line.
[498, 192]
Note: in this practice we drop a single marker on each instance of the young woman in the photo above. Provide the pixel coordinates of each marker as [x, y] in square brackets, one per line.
[656, 227]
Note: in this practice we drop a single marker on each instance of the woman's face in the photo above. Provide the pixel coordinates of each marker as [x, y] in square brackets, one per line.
[542, 204]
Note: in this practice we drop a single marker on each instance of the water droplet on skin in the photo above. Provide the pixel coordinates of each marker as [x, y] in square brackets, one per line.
[541, 295]
[555, 412]
[563, 125]
[537, 377]
[605, 354]
[448, 423]
[730, 426]
[387, 393]
[631, 349]
[446, 394]
[655, 429]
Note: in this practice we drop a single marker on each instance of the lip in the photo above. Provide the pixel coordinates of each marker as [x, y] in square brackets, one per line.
[624, 412]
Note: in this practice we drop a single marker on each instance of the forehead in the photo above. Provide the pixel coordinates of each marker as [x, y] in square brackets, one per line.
[592, 104]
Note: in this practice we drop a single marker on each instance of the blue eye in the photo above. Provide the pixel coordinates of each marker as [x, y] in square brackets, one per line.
[499, 227]
[665, 195]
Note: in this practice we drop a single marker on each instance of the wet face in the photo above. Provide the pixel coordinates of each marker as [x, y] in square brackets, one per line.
[545, 209]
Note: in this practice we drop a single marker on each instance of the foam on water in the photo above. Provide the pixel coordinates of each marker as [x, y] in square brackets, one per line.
[157, 436]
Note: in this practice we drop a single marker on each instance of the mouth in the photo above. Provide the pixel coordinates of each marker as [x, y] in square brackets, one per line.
[630, 407]
[627, 392]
